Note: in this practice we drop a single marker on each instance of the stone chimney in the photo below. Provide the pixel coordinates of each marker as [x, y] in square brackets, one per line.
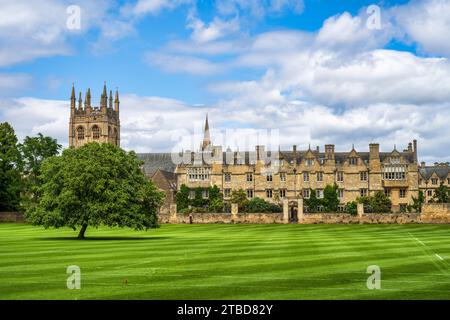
[374, 149]
[415, 150]
[329, 151]
[260, 153]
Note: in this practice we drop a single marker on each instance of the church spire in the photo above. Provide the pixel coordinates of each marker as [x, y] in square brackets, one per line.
[206, 137]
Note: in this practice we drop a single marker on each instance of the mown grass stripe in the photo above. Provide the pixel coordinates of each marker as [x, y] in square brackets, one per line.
[226, 261]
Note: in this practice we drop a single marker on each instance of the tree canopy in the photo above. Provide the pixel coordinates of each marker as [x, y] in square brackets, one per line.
[96, 184]
[378, 203]
[34, 150]
[10, 168]
[442, 194]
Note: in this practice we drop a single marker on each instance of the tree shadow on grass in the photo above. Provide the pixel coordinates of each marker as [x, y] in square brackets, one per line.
[104, 238]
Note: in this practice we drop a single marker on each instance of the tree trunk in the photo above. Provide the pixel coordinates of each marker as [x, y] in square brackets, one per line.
[82, 231]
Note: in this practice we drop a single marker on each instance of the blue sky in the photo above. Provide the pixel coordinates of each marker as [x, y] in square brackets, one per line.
[122, 61]
[311, 69]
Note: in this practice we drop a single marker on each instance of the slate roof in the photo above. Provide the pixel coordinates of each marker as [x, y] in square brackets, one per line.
[340, 157]
[163, 161]
[155, 161]
[170, 177]
[441, 171]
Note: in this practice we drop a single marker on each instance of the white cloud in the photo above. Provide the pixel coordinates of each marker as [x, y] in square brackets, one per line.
[156, 124]
[29, 116]
[345, 32]
[218, 28]
[182, 64]
[144, 7]
[336, 85]
[33, 29]
[427, 23]
[298, 67]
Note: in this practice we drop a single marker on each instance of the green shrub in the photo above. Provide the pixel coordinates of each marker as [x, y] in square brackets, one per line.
[378, 203]
[258, 205]
[352, 208]
[240, 198]
[182, 198]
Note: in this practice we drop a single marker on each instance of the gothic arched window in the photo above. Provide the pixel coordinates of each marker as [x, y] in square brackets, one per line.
[116, 137]
[95, 132]
[80, 133]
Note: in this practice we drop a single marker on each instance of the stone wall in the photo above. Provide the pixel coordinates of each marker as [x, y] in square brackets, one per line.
[436, 213]
[431, 213]
[315, 218]
[11, 217]
[258, 218]
[367, 218]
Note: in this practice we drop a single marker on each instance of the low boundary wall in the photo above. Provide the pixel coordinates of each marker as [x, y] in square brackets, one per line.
[431, 213]
[11, 217]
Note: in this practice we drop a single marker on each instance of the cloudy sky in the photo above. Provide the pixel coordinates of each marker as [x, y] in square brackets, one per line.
[314, 71]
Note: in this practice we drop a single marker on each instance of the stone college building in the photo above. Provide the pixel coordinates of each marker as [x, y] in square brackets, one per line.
[271, 175]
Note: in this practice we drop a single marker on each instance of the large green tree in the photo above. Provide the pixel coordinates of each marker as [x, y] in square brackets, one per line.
[34, 150]
[10, 169]
[442, 194]
[97, 184]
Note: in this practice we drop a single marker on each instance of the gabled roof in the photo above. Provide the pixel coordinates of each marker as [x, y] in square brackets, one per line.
[170, 177]
[441, 171]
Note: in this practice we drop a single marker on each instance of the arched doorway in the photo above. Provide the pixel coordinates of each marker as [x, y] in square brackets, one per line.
[293, 212]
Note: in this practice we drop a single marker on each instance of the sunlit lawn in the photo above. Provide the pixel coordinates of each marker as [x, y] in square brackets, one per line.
[227, 262]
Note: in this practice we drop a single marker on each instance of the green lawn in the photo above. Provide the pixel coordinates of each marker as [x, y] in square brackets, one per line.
[227, 262]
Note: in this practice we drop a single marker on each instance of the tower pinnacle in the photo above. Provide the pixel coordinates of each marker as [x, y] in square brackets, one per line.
[206, 137]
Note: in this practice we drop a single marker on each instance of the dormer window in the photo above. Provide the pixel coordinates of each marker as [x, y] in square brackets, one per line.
[353, 161]
[309, 162]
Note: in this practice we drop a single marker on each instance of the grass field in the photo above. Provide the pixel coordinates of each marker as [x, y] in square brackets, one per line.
[227, 262]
